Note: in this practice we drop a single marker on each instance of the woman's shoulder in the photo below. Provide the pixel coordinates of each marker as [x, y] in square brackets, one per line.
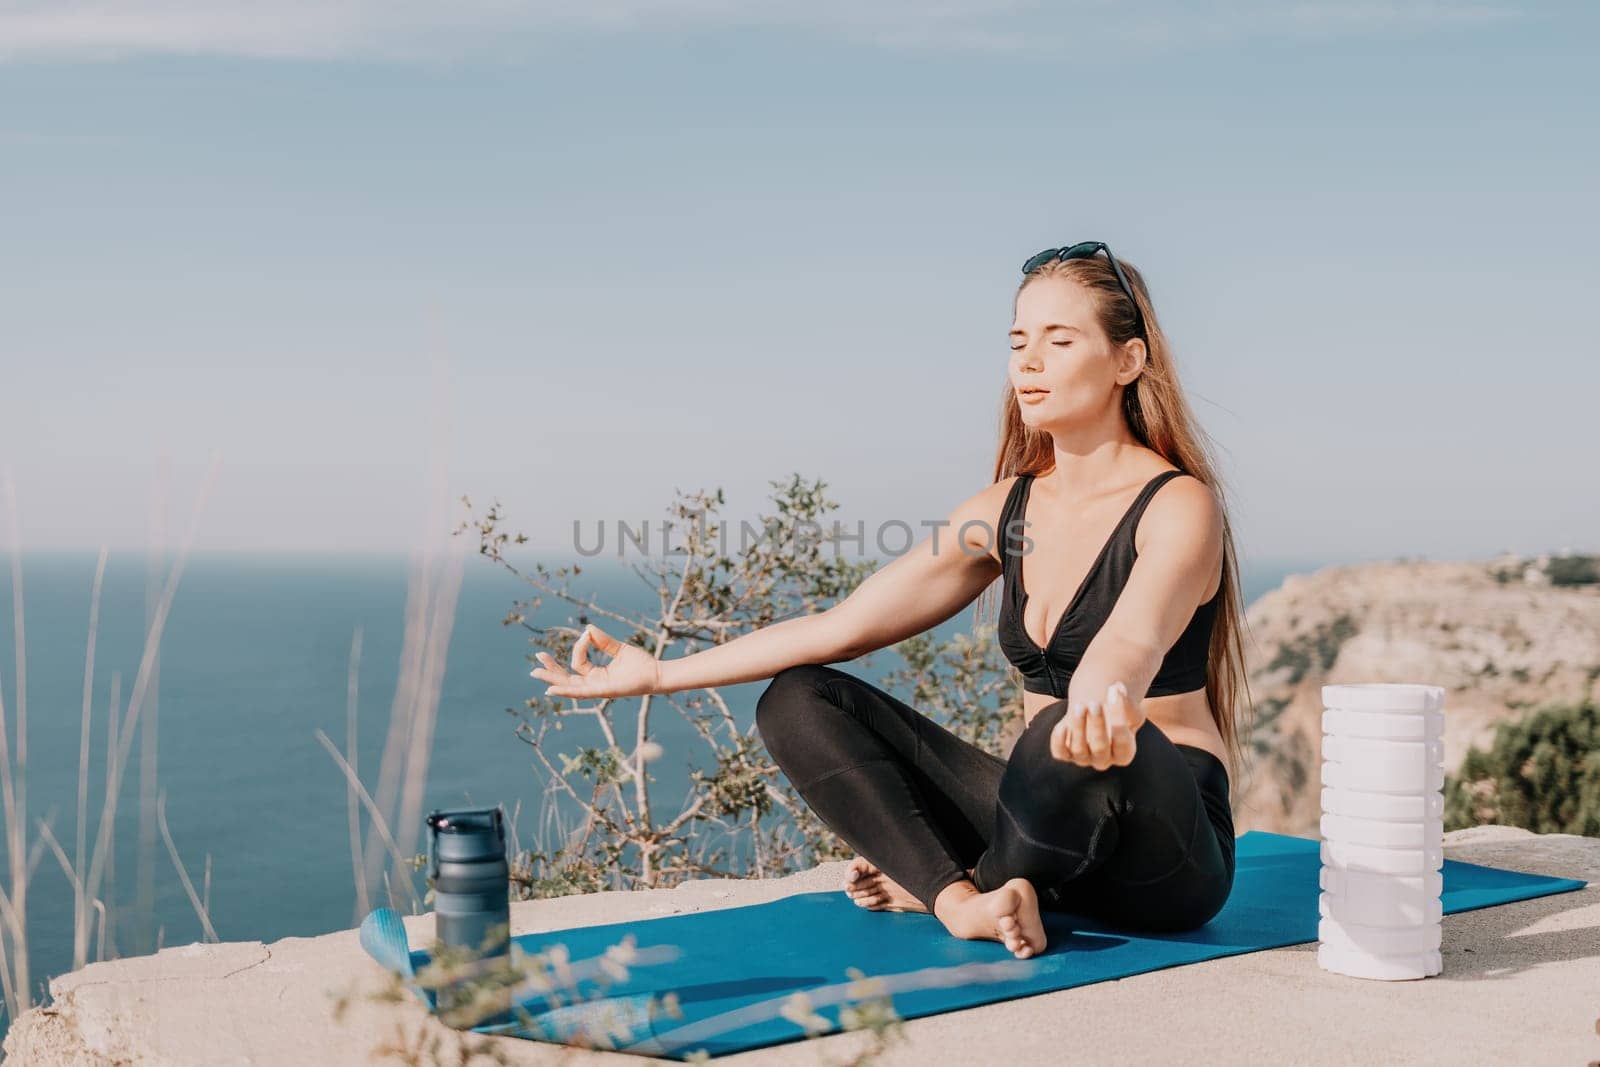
[1160, 473]
[976, 522]
[1183, 506]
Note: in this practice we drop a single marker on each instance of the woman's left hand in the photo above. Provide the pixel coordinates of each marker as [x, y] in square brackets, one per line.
[1099, 734]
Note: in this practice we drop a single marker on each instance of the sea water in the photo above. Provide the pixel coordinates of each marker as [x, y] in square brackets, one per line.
[253, 662]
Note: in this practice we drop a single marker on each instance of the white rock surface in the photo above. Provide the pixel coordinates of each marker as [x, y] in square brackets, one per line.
[1521, 984]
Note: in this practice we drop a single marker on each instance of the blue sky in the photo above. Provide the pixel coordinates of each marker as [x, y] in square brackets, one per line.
[587, 260]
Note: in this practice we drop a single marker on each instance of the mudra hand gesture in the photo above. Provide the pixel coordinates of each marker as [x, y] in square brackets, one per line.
[1097, 734]
[631, 672]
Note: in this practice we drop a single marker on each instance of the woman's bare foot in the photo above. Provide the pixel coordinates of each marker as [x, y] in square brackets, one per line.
[870, 888]
[1009, 915]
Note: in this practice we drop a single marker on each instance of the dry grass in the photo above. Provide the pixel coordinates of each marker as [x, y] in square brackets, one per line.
[89, 869]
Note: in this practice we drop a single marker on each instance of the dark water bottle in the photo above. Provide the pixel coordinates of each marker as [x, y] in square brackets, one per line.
[471, 880]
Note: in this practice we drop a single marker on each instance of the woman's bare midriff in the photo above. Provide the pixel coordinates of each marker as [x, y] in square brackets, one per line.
[1184, 717]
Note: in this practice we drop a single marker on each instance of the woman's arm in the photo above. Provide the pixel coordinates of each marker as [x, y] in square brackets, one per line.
[1183, 535]
[938, 577]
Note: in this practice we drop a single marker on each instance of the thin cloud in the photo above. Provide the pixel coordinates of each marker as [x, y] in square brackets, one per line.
[426, 29]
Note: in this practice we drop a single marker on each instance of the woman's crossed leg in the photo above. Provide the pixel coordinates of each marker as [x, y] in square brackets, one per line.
[909, 796]
[974, 838]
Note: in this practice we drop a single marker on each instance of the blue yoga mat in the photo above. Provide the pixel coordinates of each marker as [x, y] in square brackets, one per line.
[732, 969]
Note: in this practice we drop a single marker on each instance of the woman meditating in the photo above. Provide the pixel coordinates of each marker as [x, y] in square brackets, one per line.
[1118, 604]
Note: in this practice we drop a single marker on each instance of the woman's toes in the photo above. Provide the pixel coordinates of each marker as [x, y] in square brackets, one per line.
[867, 892]
[1017, 923]
[860, 873]
[857, 878]
[871, 900]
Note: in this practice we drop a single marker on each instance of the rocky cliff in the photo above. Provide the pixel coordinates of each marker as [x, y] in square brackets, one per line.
[1502, 636]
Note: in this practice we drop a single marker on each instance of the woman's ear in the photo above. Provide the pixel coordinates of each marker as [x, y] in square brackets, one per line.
[1131, 364]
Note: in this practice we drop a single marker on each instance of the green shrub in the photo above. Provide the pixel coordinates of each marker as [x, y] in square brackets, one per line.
[1315, 650]
[1541, 773]
[1573, 570]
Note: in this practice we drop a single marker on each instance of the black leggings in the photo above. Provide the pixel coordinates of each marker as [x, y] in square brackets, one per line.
[1149, 845]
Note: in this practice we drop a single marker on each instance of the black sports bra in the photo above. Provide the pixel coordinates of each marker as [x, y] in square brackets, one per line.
[1049, 669]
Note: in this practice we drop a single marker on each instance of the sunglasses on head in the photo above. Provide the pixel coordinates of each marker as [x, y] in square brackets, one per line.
[1083, 250]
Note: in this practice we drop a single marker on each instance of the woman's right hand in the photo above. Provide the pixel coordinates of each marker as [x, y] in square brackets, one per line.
[631, 672]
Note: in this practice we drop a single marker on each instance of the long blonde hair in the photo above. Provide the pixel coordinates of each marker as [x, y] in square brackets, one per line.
[1159, 417]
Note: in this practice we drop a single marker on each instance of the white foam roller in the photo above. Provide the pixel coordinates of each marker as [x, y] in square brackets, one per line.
[1411, 778]
[1397, 806]
[1379, 751]
[1354, 963]
[1387, 909]
[1424, 833]
[1388, 697]
[1341, 880]
[1343, 749]
[1380, 940]
[1428, 726]
[1382, 860]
